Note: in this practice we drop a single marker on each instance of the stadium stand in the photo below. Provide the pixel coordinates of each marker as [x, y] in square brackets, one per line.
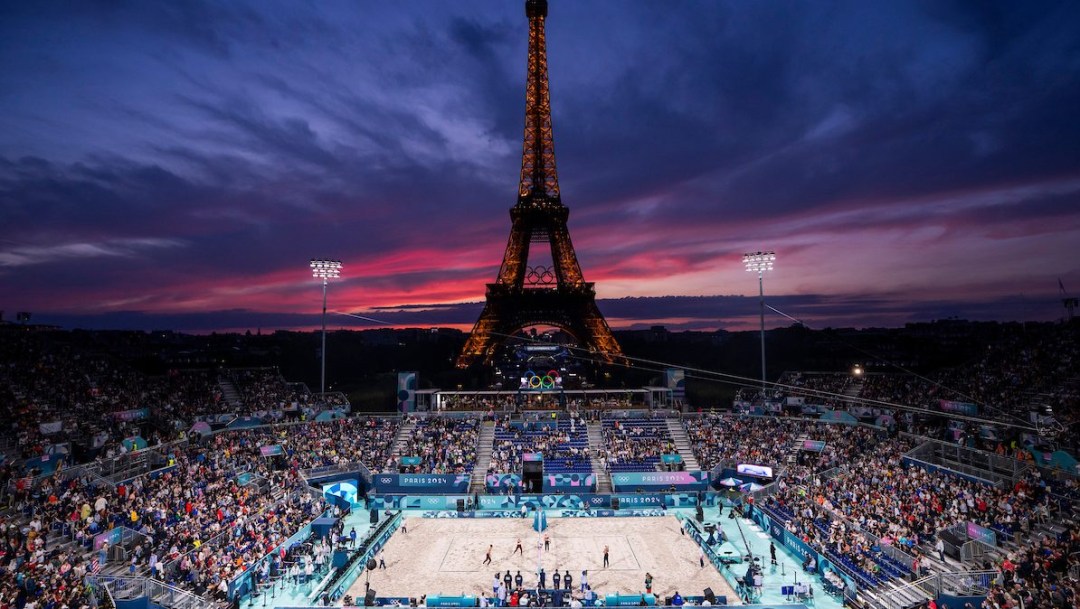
[445, 446]
[635, 444]
[565, 446]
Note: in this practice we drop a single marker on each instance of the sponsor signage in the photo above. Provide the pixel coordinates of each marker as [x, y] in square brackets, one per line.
[657, 481]
[759, 471]
[982, 534]
[958, 407]
[421, 483]
[136, 414]
[642, 500]
[271, 450]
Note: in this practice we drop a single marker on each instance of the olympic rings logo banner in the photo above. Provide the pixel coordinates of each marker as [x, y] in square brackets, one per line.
[536, 382]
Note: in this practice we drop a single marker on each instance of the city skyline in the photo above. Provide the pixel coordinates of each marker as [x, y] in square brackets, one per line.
[176, 166]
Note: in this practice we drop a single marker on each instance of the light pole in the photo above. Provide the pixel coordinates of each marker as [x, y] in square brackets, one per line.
[760, 262]
[325, 270]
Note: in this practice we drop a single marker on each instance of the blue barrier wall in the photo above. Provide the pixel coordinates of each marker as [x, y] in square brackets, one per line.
[561, 500]
[578, 483]
[499, 482]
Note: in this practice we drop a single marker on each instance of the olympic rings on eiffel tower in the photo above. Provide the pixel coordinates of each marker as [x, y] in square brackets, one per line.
[535, 381]
[539, 275]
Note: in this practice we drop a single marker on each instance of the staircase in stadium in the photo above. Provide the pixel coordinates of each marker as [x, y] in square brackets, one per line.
[596, 450]
[682, 444]
[793, 453]
[401, 440]
[893, 593]
[855, 388]
[484, 445]
[229, 392]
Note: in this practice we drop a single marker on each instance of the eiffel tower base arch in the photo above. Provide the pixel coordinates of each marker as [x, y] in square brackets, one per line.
[507, 311]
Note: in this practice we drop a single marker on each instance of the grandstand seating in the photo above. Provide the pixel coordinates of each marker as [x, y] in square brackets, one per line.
[565, 448]
[445, 446]
[635, 444]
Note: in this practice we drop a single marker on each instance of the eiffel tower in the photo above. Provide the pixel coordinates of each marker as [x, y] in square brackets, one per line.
[524, 295]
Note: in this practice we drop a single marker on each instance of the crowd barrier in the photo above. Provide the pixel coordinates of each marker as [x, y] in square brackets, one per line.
[576, 501]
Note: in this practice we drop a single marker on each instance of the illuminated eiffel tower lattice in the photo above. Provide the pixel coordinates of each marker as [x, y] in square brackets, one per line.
[525, 295]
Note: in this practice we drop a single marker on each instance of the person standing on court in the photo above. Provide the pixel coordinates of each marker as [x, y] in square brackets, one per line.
[605, 557]
[508, 580]
[584, 579]
[556, 579]
[543, 580]
[568, 580]
[518, 548]
[518, 581]
[547, 542]
[487, 557]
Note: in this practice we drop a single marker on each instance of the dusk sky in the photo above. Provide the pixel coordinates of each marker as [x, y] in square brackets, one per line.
[176, 164]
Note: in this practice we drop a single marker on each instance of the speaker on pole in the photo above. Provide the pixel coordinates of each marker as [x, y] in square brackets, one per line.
[369, 598]
[460, 505]
[710, 596]
[374, 516]
[614, 503]
[700, 516]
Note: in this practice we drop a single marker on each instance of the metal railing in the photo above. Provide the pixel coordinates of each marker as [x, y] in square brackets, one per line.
[996, 469]
[134, 464]
[961, 583]
[769, 490]
[970, 583]
[121, 550]
[123, 587]
[330, 470]
[900, 597]
[830, 473]
[165, 595]
[974, 550]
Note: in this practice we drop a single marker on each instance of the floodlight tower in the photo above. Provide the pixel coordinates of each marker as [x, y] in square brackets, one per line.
[325, 270]
[760, 262]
